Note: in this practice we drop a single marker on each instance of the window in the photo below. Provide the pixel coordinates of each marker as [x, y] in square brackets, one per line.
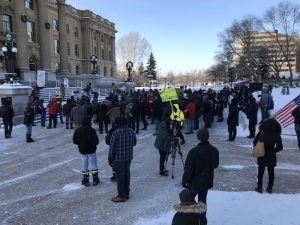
[76, 50]
[55, 24]
[103, 52]
[102, 38]
[95, 50]
[68, 29]
[77, 70]
[69, 48]
[56, 46]
[7, 23]
[95, 36]
[30, 31]
[76, 31]
[28, 4]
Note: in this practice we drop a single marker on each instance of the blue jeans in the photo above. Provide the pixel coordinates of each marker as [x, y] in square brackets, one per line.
[156, 122]
[89, 161]
[189, 125]
[43, 119]
[29, 129]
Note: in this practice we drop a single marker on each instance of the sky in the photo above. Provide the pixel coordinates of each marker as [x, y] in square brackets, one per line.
[183, 34]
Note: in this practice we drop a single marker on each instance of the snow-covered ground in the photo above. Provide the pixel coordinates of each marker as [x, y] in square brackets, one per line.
[224, 207]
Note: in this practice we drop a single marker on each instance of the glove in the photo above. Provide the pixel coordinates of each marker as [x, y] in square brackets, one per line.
[110, 162]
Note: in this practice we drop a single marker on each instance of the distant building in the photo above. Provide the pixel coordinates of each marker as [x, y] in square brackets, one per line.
[267, 41]
[53, 36]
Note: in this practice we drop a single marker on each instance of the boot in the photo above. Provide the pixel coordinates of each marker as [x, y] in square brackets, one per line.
[259, 189]
[95, 177]
[114, 177]
[85, 180]
[28, 138]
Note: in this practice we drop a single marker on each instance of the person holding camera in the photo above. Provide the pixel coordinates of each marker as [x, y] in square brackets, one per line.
[162, 142]
[199, 167]
[178, 116]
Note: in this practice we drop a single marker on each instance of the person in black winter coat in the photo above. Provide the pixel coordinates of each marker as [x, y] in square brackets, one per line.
[296, 115]
[189, 212]
[28, 120]
[199, 167]
[233, 119]
[7, 114]
[251, 112]
[67, 108]
[101, 118]
[87, 140]
[270, 130]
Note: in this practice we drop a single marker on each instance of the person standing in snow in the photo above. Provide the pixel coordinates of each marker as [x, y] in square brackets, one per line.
[270, 130]
[296, 115]
[199, 167]
[189, 212]
[87, 140]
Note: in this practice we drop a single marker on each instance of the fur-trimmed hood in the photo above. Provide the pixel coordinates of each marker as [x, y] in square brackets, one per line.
[198, 208]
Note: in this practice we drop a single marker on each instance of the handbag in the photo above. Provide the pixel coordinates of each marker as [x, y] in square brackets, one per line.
[259, 149]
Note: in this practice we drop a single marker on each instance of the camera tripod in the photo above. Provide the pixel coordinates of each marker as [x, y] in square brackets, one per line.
[175, 147]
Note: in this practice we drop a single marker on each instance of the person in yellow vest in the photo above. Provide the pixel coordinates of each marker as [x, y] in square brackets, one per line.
[177, 115]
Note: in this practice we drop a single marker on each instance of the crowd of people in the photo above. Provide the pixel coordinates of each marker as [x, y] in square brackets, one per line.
[120, 115]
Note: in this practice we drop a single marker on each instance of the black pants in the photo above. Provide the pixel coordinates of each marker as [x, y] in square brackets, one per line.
[8, 125]
[202, 196]
[162, 160]
[145, 123]
[260, 176]
[180, 135]
[54, 119]
[101, 122]
[231, 132]
[123, 173]
[252, 124]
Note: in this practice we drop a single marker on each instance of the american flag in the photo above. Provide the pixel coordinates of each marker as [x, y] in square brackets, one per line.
[284, 115]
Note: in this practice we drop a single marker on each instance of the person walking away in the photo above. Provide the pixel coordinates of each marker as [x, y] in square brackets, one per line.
[233, 119]
[87, 140]
[28, 120]
[263, 104]
[190, 111]
[41, 109]
[251, 112]
[66, 109]
[77, 114]
[270, 130]
[59, 108]
[162, 143]
[199, 168]
[7, 114]
[189, 212]
[296, 115]
[101, 118]
[52, 111]
[120, 155]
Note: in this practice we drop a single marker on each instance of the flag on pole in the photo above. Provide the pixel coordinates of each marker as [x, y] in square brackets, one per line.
[284, 115]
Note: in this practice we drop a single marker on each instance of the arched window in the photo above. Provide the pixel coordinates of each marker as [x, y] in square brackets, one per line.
[77, 70]
[97, 69]
[112, 72]
[33, 63]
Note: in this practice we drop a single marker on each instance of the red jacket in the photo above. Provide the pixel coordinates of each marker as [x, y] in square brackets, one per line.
[190, 110]
[52, 107]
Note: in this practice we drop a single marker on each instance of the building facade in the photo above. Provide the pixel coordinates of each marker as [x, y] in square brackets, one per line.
[55, 37]
[264, 46]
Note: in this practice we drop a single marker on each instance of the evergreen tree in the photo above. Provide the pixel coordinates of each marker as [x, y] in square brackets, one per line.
[151, 66]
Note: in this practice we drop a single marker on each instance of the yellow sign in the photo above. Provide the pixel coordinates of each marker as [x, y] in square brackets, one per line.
[168, 94]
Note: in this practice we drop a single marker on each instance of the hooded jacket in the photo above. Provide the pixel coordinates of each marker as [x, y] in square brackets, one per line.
[189, 214]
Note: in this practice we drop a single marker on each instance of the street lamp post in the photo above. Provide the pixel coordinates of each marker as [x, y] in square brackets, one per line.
[94, 60]
[129, 66]
[9, 51]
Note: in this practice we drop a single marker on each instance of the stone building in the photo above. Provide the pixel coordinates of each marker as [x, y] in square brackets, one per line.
[58, 38]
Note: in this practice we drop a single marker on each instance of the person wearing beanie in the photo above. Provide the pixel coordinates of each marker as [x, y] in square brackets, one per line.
[189, 212]
[199, 167]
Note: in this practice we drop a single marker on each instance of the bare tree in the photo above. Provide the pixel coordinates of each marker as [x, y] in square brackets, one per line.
[134, 48]
[281, 22]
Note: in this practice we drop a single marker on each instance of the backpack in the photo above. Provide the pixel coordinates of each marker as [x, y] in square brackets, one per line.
[38, 109]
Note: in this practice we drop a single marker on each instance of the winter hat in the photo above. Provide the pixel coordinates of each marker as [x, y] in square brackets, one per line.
[187, 197]
[203, 134]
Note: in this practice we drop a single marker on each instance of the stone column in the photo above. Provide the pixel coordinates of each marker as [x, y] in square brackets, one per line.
[21, 38]
[44, 36]
[63, 46]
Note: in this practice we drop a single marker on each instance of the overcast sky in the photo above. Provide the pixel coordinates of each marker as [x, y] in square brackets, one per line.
[183, 33]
